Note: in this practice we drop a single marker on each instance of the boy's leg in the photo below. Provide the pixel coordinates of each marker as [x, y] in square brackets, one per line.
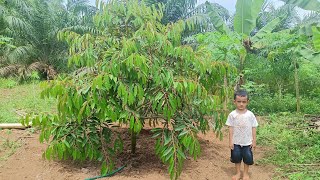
[247, 161]
[238, 175]
[246, 172]
[236, 157]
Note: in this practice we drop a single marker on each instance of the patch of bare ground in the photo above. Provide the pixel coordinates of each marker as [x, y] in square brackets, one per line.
[213, 164]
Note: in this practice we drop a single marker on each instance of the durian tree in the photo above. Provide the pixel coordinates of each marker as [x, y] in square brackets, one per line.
[133, 70]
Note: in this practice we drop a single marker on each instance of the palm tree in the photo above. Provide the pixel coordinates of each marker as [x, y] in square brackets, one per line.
[188, 10]
[33, 26]
[287, 13]
[175, 10]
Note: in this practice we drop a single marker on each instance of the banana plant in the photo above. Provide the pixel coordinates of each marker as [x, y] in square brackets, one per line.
[246, 14]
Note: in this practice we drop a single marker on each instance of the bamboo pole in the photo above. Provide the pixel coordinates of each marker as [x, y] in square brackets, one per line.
[12, 126]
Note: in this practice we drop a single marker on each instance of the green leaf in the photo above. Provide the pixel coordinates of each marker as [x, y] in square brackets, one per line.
[167, 139]
[173, 102]
[158, 96]
[181, 153]
[80, 115]
[66, 143]
[104, 168]
[316, 38]
[266, 30]
[167, 151]
[246, 14]
[48, 153]
[131, 122]
[179, 128]
[156, 134]
[171, 167]
[131, 98]
[183, 133]
[137, 126]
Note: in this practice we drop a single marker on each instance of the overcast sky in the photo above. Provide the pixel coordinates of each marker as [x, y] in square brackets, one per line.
[230, 4]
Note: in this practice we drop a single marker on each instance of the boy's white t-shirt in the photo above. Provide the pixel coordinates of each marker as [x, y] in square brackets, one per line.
[242, 127]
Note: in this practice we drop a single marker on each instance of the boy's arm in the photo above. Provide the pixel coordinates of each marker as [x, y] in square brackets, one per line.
[231, 137]
[254, 137]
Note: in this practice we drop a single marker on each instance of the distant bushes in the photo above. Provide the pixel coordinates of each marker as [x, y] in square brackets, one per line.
[266, 104]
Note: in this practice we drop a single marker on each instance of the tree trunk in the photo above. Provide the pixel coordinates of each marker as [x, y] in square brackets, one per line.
[280, 90]
[296, 83]
[133, 141]
[225, 104]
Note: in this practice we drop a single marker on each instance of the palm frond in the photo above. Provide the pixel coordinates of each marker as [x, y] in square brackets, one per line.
[21, 6]
[287, 13]
[222, 11]
[20, 54]
[177, 9]
[310, 18]
[81, 29]
[2, 10]
[18, 24]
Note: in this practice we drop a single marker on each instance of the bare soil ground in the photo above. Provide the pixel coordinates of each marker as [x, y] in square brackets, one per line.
[213, 164]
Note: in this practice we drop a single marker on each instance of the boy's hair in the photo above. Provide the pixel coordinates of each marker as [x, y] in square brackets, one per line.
[241, 93]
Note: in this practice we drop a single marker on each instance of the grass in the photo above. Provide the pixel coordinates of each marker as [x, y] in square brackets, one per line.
[17, 100]
[296, 147]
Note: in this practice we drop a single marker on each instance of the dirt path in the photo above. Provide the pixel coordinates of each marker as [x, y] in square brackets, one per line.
[213, 164]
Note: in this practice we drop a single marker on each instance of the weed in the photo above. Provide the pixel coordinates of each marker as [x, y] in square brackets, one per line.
[296, 146]
[8, 147]
[8, 83]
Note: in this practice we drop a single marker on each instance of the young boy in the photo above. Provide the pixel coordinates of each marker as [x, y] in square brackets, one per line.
[242, 134]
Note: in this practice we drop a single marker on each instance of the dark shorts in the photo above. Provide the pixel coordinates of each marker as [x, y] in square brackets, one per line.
[242, 153]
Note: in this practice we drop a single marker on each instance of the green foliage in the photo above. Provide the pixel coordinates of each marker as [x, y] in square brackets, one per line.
[135, 70]
[223, 47]
[271, 85]
[296, 147]
[268, 103]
